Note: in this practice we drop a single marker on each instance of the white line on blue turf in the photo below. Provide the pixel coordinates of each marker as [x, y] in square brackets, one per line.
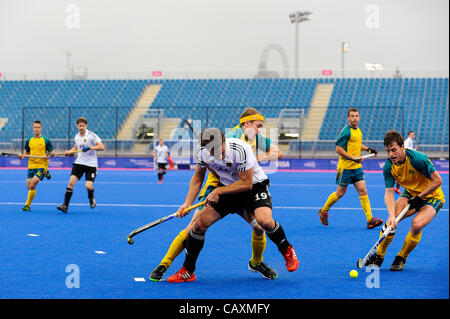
[100, 252]
[139, 279]
[33, 235]
[176, 206]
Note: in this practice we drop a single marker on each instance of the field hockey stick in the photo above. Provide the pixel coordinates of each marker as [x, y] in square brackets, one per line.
[71, 152]
[159, 221]
[30, 156]
[362, 262]
[368, 155]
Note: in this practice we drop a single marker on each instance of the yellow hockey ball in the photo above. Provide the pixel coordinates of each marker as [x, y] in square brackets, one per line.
[353, 273]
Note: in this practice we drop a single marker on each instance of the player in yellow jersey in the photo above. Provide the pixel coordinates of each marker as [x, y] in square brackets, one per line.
[37, 145]
[349, 170]
[251, 122]
[415, 172]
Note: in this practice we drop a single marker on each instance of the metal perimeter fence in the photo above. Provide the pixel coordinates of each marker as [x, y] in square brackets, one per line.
[130, 131]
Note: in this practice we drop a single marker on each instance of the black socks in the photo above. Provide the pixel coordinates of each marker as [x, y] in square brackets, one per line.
[194, 244]
[68, 196]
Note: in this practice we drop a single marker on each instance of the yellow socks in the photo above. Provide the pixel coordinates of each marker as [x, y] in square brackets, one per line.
[381, 250]
[31, 194]
[258, 247]
[175, 248]
[330, 202]
[410, 243]
[365, 204]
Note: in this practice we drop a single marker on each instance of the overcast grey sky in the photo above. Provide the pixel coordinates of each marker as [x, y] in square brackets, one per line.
[218, 35]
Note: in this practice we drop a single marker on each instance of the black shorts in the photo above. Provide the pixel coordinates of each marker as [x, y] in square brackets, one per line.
[89, 172]
[162, 165]
[258, 196]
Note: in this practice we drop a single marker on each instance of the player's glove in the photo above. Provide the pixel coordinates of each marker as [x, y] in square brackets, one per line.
[415, 202]
[372, 151]
[86, 148]
[47, 175]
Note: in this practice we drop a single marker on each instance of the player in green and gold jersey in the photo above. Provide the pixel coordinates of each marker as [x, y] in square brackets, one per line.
[250, 123]
[349, 170]
[415, 172]
[37, 145]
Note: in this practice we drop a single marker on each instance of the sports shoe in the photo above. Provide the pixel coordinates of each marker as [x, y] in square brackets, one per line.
[291, 259]
[398, 264]
[397, 190]
[374, 222]
[26, 208]
[93, 203]
[63, 208]
[157, 273]
[263, 269]
[182, 275]
[374, 260]
[323, 217]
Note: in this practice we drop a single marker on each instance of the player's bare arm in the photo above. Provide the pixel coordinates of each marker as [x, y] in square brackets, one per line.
[23, 155]
[244, 184]
[272, 155]
[389, 200]
[195, 186]
[341, 152]
[368, 149]
[436, 181]
[71, 151]
[98, 147]
[50, 154]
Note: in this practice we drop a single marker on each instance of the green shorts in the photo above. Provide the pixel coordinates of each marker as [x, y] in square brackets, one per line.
[349, 176]
[433, 202]
[38, 172]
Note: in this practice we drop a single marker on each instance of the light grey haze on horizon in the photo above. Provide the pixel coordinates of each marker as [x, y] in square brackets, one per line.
[219, 35]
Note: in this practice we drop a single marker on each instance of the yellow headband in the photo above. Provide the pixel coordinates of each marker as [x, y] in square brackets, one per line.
[255, 117]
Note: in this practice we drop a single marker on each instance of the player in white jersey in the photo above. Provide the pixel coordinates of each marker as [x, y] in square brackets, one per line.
[243, 185]
[411, 142]
[87, 143]
[162, 154]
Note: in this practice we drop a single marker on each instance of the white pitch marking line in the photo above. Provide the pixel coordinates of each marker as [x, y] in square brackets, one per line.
[139, 279]
[100, 252]
[33, 235]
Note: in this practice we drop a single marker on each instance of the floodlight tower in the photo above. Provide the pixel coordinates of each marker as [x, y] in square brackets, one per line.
[344, 49]
[298, 17]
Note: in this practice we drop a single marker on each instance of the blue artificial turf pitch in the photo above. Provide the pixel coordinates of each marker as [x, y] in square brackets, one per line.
[38, 248]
